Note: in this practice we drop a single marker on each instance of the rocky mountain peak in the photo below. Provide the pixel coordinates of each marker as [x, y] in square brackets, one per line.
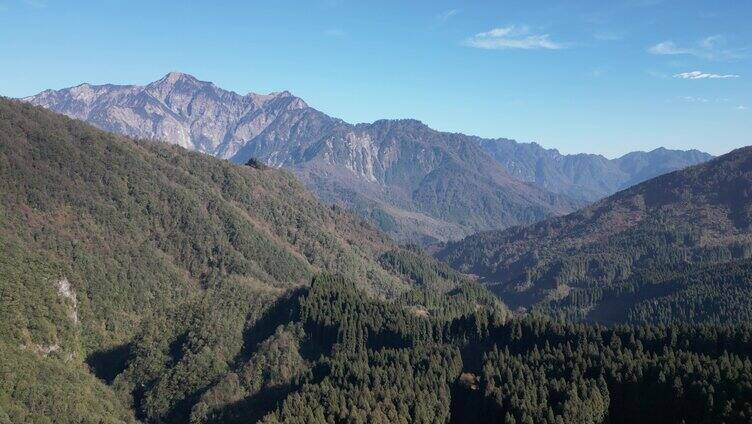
[281, 94]
[417, 183]
[184, 86]
[177, 108]
[174, 78]
[176, 75]
[586, 176]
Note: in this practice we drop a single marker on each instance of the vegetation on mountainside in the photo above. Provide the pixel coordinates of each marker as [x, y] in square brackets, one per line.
[103, 237]
[344, 358]
[675, 248]
[200, 291]
[38, 389]
[417, 184]
[328, 354]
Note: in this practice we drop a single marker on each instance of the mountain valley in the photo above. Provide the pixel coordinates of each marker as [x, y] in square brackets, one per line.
[676, 247]
[141, 282]
[414, 183]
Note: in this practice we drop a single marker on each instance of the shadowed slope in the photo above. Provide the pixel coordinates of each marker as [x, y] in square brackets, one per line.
[661, 230]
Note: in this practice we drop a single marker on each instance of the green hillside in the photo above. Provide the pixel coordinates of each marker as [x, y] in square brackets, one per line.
[104, 239]
[676, 248]
[141, 282]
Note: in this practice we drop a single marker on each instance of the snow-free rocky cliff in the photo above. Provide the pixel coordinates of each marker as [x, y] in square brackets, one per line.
[415, 183]
[178, 109]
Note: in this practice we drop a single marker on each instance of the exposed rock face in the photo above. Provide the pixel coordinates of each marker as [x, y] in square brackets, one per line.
[414, 182]
[417, 184]
[42, 350]
[65, 291]
[178, 109]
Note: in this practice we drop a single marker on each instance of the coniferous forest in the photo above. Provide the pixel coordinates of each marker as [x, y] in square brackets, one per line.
[142, 282]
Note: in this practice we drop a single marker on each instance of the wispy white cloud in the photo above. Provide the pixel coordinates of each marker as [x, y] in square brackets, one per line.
[512, 37]
[695, 75]
[668, 47]
[447, 15]
[692, 99]
[712, 48]
[719, 100]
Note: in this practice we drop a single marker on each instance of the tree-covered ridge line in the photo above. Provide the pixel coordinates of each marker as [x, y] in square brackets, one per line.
[369, 361]
[101, 209]
[415, 183]
[329, 354]
[672, 248]
[134, 230]
[210, 292]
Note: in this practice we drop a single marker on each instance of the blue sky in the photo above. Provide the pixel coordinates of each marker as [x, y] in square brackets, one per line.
[580, 76]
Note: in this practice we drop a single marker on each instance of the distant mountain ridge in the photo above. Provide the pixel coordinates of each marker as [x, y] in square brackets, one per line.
[143, 283]
[411, 180]
[587, 177]
[677, 247]
[415, 183]
[177, 108]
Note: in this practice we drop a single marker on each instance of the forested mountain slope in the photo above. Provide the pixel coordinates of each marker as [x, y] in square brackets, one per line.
[384, 366]
[101, 234]
[142, 282]
[676, 247]
[416, 184]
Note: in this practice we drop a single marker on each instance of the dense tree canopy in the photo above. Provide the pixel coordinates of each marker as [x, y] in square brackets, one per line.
[142, 282]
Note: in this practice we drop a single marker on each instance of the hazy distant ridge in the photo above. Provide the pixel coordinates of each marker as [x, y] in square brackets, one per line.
[586, 176]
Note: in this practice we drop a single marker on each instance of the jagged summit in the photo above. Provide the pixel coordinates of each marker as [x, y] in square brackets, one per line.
[586, 176]
[177, 108]
[180, 80]
[416, 183]
[175, 76]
